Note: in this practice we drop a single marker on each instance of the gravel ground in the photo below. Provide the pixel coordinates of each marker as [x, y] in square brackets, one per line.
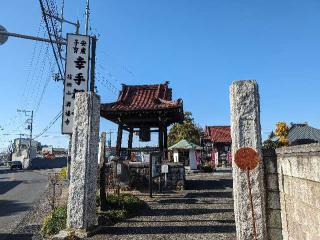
[203, 211]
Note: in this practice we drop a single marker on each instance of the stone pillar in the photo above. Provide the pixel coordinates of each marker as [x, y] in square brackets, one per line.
[102, 147]
[246, 132]
[81, 214]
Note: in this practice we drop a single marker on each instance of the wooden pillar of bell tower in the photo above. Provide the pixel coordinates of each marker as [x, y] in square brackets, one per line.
[130, 138]
[119, 140]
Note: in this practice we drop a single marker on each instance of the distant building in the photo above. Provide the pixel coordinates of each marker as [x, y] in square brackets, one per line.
[302, 133]
[217, 144]
[186, 153]
[54, 151]
[21, 150]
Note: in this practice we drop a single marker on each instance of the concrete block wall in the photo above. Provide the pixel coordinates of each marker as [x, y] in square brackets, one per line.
[273, 208]
[299, 185]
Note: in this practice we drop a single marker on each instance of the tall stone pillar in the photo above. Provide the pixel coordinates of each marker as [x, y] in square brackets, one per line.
[246, 132]
[84, 164]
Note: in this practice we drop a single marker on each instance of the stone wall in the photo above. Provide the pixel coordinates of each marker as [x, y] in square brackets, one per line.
[273, 210]
[299, 183]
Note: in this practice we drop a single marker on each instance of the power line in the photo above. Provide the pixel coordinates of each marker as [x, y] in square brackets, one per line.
[53, 27]
[53, 121]
[39, 78]
[50, 37]
[44, 89]
[108, 85]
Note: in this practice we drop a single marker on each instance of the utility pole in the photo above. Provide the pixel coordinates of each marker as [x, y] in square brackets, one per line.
[110, 139]
[87, 17]
[93, 62]
[30, 127]
[29, 121]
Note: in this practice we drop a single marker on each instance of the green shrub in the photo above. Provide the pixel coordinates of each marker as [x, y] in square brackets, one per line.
[123, 206]
[116, 215]
[63, 174]
[55, 221]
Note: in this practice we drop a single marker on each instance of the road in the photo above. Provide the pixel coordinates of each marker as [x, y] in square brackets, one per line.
[18, 190]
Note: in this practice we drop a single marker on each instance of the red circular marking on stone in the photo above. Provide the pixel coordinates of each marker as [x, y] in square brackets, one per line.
[246, 158]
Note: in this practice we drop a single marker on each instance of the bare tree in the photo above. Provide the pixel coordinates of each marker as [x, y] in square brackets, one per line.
[54, 181]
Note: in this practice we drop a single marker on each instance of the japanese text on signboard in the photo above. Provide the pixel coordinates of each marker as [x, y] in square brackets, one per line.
[76, 76]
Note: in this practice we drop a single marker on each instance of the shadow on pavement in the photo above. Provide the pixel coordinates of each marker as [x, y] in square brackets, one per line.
[185, 212]
[208, 184]
[22, 236]
[182, 221]
[9, 207]
[178, 200]
[6, 186]
[169, 230]
[209, 195]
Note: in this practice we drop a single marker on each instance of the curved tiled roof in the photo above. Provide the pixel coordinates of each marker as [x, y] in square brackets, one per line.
[184, 144]
[143, 97]
[303, 132]
[218, 134]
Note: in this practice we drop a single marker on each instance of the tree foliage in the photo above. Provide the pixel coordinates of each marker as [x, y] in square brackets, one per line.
[278, 138]
[187, 130]
[282, 131]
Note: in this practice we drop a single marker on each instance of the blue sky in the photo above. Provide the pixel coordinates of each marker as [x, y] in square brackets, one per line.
[199, 46]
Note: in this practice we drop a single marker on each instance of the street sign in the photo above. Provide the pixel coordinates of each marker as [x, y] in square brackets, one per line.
[246, 158]
[119, 169]
[76, 76]
[164, 169]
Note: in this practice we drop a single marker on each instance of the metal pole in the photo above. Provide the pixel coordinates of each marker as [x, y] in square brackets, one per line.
[61, 22]
[17, 35]
[93, 62]
[20, 145]
[87, 16]
[69, 157]
[150, 175]
[110, 140]
[254, 231]
[30, 140]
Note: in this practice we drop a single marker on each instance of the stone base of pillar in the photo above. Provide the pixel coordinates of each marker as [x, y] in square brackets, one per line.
[66, 234]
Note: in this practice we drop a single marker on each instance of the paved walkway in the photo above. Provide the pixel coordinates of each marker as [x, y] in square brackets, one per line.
[203, 211]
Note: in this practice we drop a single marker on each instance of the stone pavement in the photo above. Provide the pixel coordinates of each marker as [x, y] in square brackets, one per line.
[203, 211]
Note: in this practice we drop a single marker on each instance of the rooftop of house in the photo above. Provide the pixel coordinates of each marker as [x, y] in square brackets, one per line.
[185, 145]
[302, 131]
[218, 134]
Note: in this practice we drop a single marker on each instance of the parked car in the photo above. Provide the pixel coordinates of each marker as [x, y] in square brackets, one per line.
[16, 165]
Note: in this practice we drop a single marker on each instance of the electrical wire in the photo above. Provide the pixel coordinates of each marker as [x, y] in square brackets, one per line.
[53, 121]
[44, 89]
[50, 37]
